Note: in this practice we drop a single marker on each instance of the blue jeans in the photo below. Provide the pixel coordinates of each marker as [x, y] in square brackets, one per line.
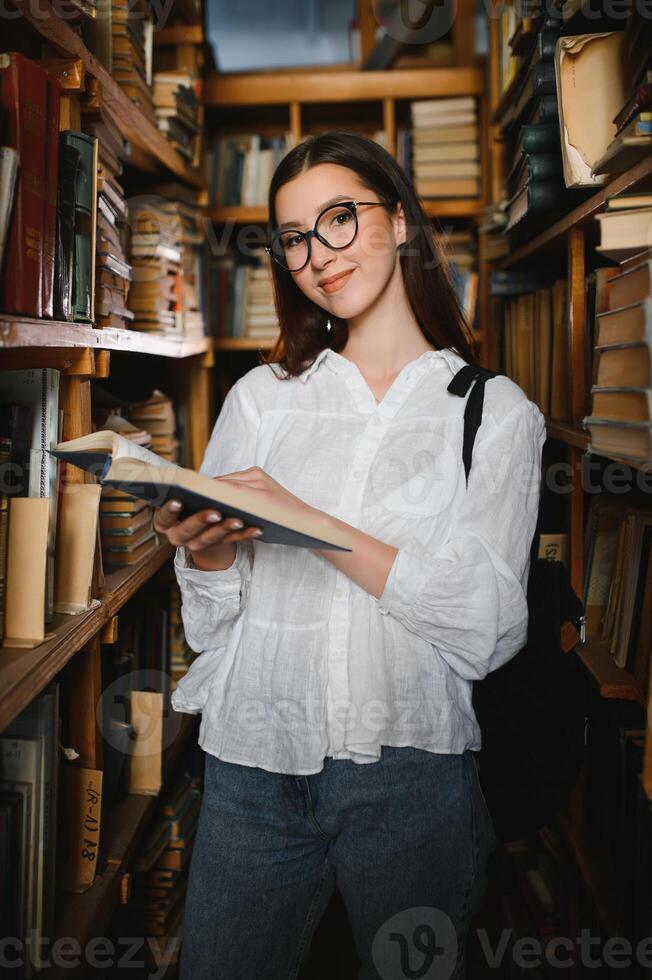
[405, 839]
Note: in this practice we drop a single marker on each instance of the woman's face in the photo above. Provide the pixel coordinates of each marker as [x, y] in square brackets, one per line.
[362, 270]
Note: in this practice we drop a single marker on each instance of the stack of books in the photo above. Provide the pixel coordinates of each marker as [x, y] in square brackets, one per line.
[113, 272]
[131, 51]
[618, 581]
[529, 121]
[156, 416]
[445, 147]
[462, 254]
[620, 422]
[239, 169]
[162, 866]
[126, 528]
[258, 310]
[155, 256]
[177, 111]
[244, 301]
[630, 127]
[186, 215]
[181, 654]
[536, 336]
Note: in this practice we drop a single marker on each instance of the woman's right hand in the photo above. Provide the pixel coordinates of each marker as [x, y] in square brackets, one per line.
[209, 539]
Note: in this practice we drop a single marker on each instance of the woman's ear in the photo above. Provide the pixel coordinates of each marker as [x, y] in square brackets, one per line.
[400, 230]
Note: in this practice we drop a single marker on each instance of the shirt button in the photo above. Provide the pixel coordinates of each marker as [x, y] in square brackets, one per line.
[357, 474]
[339, 592]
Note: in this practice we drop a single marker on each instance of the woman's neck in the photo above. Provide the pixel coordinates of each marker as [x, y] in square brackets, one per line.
[386, 336]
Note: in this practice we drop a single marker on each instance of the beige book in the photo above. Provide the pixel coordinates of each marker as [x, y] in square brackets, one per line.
[83, 793]
[121, 463]
[75, 552]
[593, 84]
[27, 542]
[553, 547]
[145, 761]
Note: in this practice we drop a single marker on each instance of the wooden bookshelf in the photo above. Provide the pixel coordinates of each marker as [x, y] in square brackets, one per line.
[565, 245]
[637, 178]
[154, 150]
[81, 353]
[24, 673]
[22, 333]
[611, 681]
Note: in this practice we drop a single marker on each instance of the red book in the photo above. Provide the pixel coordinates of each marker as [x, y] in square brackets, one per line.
[23, 97]
[51, 182]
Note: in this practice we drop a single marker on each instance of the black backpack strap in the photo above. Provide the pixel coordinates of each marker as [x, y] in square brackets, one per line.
[459, 385]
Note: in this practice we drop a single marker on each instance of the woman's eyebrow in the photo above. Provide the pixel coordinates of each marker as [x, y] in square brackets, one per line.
[326, 204]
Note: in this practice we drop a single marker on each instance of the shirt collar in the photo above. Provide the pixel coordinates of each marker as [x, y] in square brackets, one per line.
[453, 360]
[315, 364]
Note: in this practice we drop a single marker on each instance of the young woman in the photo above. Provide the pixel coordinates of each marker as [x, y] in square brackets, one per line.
[335, 686]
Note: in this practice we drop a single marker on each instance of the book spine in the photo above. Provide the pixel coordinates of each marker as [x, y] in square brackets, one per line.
[50, 193]
[23, 100]
[84, 210]
[8, 176]
[539, 138]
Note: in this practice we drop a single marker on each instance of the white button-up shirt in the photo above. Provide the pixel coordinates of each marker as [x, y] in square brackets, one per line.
[296, 661]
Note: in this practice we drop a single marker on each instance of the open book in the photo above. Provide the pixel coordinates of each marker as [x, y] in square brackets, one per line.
[118, 462]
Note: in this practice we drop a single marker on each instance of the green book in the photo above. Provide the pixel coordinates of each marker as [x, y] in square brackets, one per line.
[84, 205]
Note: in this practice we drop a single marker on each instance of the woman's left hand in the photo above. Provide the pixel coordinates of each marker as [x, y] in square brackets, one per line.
[270, 491]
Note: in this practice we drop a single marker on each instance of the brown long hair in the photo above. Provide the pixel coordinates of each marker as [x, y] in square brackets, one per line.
[424, 264]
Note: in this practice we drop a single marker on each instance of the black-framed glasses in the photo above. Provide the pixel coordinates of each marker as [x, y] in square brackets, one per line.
[335, 227]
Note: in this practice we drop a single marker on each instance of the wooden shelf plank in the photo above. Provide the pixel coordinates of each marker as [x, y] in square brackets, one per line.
[263, 88]
[244, 343]
[637, 177]
[24, 673]
[17, 331]
[611, 680]
[434, 207]
[565, 432]
[131, 122]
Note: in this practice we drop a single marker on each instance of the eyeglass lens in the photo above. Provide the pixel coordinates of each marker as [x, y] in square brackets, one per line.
[336, 226]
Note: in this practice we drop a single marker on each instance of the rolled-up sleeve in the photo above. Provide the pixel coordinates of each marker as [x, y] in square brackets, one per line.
[212, 601]
[468, 599]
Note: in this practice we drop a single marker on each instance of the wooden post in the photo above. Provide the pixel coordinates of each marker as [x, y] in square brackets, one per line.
[367, 25]
[197, 396]
[295, 122]
[576, 324]
[389, 125]
[464, 33]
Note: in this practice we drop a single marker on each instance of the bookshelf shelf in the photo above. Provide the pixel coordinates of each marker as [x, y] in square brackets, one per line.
[637, 178]
[24, 673]
[612, 681]
[268, 88]
[244, 343]
[567, 433]
[87, 914]
[22, 332]
[446, 207]
[133, 124]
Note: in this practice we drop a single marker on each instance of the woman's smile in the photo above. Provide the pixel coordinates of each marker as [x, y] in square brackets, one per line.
[334, 284]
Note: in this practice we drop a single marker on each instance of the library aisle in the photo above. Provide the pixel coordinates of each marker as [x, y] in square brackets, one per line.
[138, 285]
